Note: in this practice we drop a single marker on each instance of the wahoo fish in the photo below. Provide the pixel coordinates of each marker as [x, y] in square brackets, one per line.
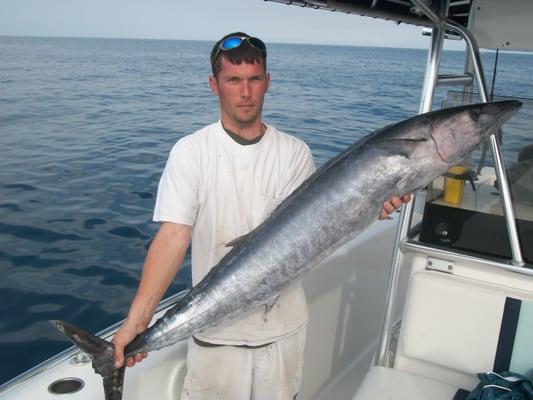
[337, 202]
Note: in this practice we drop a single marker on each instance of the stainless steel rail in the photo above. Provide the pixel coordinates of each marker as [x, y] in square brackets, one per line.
[441, 24]
[505, 192]
[421, 248]
[398, 258]
[460, 80]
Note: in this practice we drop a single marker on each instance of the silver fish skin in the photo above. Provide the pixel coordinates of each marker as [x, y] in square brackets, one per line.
[331, 207]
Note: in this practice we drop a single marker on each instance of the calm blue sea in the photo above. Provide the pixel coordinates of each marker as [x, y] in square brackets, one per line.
[85, 129]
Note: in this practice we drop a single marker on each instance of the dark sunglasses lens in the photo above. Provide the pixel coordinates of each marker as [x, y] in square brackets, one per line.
[258, 43]
[231, 43]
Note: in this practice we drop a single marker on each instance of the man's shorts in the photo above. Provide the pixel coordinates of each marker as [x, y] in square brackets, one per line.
[272, 371]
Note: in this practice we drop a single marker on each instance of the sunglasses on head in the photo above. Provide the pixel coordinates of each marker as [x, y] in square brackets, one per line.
[233, 42]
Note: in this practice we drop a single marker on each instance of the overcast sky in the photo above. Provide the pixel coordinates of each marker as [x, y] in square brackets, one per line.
[199, 19]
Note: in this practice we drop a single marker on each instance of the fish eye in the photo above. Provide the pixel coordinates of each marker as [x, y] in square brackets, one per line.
[474, 114]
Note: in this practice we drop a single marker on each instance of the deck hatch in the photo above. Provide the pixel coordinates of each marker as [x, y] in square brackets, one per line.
[66, 386]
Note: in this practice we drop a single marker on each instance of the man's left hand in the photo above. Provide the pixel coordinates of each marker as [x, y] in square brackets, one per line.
[393, 204]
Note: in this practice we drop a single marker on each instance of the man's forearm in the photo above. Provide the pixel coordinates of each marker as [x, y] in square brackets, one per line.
[162, 263]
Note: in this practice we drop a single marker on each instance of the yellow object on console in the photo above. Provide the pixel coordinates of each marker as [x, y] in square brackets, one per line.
[454, 187]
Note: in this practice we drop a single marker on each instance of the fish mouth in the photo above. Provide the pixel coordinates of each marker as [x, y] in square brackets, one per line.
[492, 116]
[505, 109]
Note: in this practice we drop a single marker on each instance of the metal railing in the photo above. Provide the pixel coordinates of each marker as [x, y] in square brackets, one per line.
[401, 245]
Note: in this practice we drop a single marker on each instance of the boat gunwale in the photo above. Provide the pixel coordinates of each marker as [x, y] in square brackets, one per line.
[73, 350]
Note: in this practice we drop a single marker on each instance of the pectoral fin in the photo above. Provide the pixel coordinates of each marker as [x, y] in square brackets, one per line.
[404, 146]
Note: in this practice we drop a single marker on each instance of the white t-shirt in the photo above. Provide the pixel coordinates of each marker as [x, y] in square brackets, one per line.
[223, 190]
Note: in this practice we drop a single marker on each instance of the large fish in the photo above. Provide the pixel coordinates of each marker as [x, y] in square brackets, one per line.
[332, 206]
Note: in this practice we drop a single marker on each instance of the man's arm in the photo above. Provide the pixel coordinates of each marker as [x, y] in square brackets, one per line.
[162, 263]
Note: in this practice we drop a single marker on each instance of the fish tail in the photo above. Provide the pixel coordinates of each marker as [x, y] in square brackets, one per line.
[86, 341]
[113, 384]
[102, 353]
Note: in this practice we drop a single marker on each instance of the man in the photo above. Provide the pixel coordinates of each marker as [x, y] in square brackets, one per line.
[220, 183]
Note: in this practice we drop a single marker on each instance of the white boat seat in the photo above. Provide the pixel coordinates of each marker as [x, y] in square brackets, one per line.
[383, 383]
[454, 327]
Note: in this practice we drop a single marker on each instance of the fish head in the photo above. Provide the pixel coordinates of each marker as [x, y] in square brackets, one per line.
[457, 131]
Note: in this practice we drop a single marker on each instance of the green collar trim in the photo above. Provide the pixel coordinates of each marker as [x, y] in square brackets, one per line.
[243, 141]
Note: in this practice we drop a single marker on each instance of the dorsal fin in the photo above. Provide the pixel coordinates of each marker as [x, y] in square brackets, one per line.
[237, 241]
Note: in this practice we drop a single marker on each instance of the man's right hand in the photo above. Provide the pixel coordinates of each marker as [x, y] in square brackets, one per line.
[125, 335]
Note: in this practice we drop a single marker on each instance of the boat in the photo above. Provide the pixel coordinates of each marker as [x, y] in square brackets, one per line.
[422, 302]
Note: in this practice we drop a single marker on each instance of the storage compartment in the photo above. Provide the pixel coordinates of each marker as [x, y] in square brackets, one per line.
[476, 231]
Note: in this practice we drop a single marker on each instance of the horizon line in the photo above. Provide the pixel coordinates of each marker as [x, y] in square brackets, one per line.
[209, 40]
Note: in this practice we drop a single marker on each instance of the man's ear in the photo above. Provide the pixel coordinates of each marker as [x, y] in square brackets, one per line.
[268, 80]
[213, 84]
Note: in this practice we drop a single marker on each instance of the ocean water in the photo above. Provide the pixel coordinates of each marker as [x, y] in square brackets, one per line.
[85, 129]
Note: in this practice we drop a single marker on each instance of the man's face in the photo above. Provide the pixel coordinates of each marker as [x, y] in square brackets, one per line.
[241, 90]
